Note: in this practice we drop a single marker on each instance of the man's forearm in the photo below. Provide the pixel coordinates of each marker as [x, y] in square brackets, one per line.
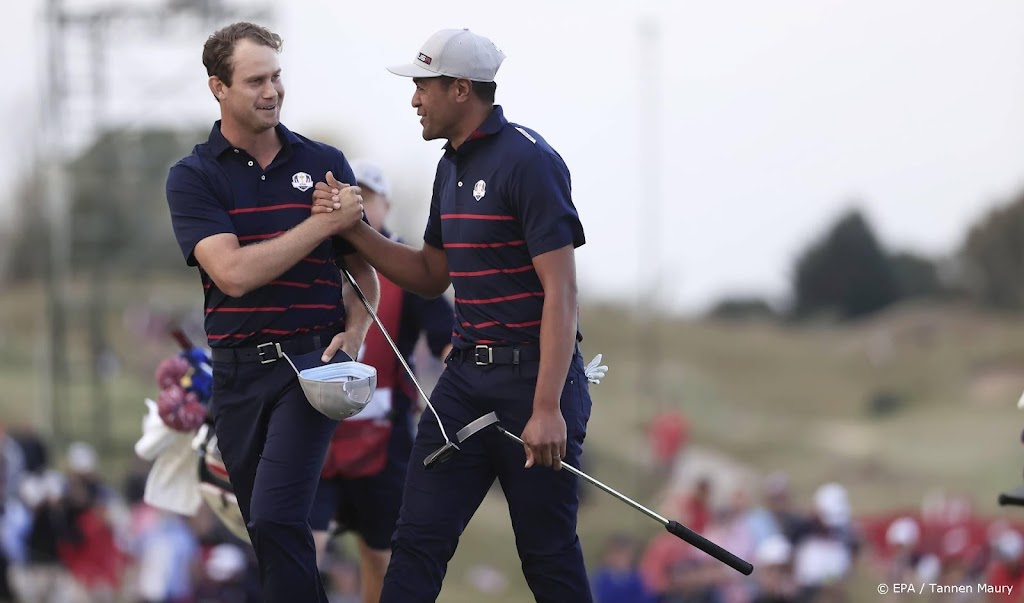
[252, 266]
[401, 264]
[357, 318]
[557, 341]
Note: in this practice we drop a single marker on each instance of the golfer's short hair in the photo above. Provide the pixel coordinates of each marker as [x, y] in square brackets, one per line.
[482, 90]
[221, 45]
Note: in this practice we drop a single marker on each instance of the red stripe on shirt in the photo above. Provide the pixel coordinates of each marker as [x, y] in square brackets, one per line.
[314, 261]
[476, 217]
[259, 237]
[313, 306]
[482, 325]
[482, 245]
[523, 325]
[526, 268]
[250, 210]
[494, 300]
[257, 309]
[290, 284]
[281, 332]
[511, 325]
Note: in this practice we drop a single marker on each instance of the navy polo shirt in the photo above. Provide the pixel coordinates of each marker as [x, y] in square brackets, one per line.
[500, 199]
[221, 189]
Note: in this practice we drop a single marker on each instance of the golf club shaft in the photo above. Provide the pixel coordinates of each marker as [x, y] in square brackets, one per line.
[674, 527]
[391, 342]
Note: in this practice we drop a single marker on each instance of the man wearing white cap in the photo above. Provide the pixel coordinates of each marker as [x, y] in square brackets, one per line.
[503, 230]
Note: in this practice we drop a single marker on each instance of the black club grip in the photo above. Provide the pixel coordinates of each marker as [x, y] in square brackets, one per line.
[709, 547]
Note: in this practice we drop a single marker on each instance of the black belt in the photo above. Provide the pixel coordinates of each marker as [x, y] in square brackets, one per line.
[271, 351]
[483, 355]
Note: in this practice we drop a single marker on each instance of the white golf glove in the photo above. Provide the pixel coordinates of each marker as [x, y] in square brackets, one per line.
[595, 371]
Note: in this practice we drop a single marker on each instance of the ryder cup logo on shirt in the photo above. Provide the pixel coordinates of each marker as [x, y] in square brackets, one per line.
[302, 181]
[479, 190]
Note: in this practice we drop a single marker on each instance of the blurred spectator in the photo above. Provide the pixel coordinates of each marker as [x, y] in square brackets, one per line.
[617, 579]
[12, 468]
[40, 577]
[1006, 570]
[773, 578]
[668, 432]
[33, 449]
[663, 553]
[223, 576]
[825, 547]
[732, 529]
[902, 538]
[696, 508]
[694, 579]
[87, 546]
[167, 554]
[775, 515]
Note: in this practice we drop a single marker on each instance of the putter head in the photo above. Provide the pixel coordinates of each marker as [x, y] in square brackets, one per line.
[476, 426]
[449, 449]
[440, 455]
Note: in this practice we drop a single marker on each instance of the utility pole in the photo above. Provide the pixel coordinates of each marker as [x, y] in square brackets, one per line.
[53, 177]
[650, 225]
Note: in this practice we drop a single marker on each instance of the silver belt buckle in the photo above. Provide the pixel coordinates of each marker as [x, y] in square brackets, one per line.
[476, 355]
[263, 352]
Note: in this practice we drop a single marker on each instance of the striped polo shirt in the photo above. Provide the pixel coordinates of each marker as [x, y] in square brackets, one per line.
[222, 189]
[500, 199]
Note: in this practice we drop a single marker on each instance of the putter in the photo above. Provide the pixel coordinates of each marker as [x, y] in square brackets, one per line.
[673, 527]
[449, 448]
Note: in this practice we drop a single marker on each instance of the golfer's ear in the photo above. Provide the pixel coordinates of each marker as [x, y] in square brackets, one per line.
[217, 87]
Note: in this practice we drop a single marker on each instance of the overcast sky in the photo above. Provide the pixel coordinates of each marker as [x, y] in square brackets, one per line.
[704, 158]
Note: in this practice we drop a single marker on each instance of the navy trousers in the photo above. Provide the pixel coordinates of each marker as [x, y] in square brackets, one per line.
[437, 504]
[273, 443]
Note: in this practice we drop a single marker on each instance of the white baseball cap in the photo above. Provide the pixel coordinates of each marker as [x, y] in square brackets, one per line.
[832, 505]
[903, 531]
[370, 175]
[81, 457]
[457, 53]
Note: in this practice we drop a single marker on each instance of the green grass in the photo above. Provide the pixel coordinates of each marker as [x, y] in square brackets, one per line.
[771, 397]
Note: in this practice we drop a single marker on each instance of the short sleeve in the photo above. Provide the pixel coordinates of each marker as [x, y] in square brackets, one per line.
[196, 213]
[432, 232]
[541, 197]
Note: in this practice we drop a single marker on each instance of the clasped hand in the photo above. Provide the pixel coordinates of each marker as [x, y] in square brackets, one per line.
[337, 201]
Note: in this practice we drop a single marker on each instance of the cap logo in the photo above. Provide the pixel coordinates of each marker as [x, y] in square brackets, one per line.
[424, 58]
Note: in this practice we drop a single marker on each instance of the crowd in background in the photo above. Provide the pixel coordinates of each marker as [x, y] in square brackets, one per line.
[819, 552]
[68, 536]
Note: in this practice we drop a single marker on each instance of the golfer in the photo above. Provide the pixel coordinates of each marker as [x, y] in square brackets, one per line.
[502, 229]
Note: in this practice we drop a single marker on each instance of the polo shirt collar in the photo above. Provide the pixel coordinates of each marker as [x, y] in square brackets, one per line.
[491, 126]
[219, 144]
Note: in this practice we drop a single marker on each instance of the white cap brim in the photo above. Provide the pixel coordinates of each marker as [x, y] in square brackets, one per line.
[412, 70]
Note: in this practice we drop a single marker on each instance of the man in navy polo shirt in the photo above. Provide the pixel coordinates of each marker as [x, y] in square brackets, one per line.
[240, 207]
[503, 229]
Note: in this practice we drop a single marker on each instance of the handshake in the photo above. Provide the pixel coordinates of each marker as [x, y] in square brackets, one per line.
[339, 204]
